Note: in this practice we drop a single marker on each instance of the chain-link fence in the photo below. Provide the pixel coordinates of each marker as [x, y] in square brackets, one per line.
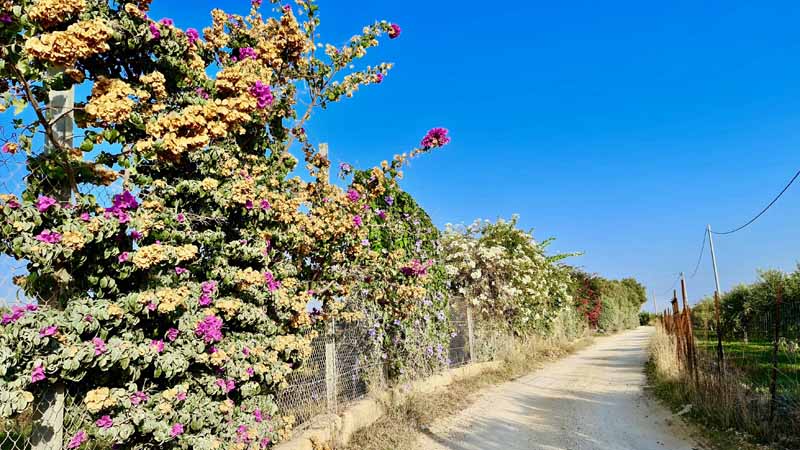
[341, 369]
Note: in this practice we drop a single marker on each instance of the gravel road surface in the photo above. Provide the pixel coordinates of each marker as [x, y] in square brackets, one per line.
[590, 400]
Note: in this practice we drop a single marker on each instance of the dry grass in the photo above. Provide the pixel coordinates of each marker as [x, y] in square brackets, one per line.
[721, 402]
[397, 430]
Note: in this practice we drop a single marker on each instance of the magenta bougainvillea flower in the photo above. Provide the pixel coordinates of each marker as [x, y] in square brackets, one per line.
[49, 237]
[436, 137]
[123, 257]
[99, 346]
[167, 21]
[353, 195]
[77, 440]
[262, 93]
[139, 397]
[209, 329]
[104, 422]
[192, 35]
[180, 270]
[417, 268]
[48, 331]
[394, 33]
[157, 345]
[207, 288]
[37, 374]
[265, 205]
[17, 312]
[181, 396]
[247, 52]
[357, 221]
[43, 203]
[379, 78]
[155, 31]
[176, 430]
[172, 334]
[272, 284]
[12, 203]
[226, 385]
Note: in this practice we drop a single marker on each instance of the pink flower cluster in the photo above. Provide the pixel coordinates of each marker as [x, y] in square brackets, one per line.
[176, 430]
[99, 346]
[121, 203]
[208, 288]
[262, 93]
[417, 268]
[17, 312]
[353, 195]
[48, 331]
[272, 284]
[192, 35]
[172, 334]
[139, 397]
[77, 440]
[37, 374]
[49, 237]
[395, 31]
[436, 137]
[104, 422]
[43, 203]
[210, 329]
[226, 385]
[246, 52]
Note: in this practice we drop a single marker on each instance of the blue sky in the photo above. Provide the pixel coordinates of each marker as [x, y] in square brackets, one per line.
[621, 129]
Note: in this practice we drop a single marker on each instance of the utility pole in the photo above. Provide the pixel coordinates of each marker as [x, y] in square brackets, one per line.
[717, 294]
[655, 307]
[713, 258]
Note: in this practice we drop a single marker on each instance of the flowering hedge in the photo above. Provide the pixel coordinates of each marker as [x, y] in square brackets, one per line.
[407, 300]
[180, 306]
[504, 273]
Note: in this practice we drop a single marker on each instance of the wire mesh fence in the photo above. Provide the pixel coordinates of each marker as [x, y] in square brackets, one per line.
[342, 369]
[756, 363]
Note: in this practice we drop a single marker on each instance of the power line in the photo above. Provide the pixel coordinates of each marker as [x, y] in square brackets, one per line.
[700, 258]
[674, 283]
[763, 210]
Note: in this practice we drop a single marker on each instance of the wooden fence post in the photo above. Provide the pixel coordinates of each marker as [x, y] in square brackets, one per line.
[677, 326]
[687, 318]
[48, 420]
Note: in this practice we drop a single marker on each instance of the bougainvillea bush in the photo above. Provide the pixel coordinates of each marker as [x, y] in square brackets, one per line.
[407, 301]
[505, 275]
[176, 308]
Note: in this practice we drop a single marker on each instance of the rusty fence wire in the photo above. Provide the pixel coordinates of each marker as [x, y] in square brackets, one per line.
[757, 361]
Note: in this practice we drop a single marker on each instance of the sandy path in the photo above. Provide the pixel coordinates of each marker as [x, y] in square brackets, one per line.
[590, 400]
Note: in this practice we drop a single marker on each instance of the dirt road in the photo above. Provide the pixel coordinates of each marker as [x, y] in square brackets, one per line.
[590, 400]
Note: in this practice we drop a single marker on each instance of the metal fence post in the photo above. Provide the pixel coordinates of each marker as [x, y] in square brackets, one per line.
[773, 385]
[720, 351]
[470, 335]
[330, 368]
[48, 420]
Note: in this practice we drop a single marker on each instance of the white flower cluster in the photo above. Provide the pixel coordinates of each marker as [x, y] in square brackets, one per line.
[504, 273]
